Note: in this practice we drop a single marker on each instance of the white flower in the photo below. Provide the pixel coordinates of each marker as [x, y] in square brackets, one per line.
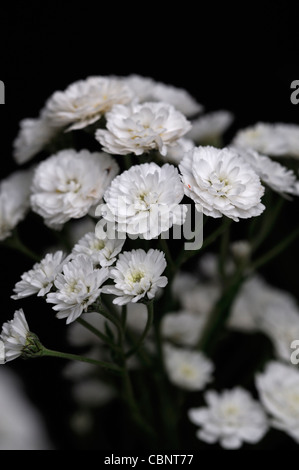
[85, 101]
[69, 183]
[278, 388]
[139, 128]
[144, 200]
[187, 369]
[137, 275]
[221, 183]
[14, 201]
[231, 417]
[176, 152]
[210, 127]
[14, 335]
[39, 280]
[273, 174]
[201, 298]
[275, 139]
[102, 251]
[182, 327]
[33, 136]
[147, 89]
[78, 286]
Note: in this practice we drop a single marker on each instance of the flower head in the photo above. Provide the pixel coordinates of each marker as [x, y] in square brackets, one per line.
[139, 128]
[14, 201]
[15, 336]
[39, 280]
[207, 129]
[78, 286]
[278, 388]
[85, 101]
[182, 327]
[144, 200]
[69, 183]
[187, 369]
[221, 183]
[231, 417]
[137, 276]
[101, 250]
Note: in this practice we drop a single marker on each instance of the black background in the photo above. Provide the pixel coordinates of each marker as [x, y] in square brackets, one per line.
[241, 58]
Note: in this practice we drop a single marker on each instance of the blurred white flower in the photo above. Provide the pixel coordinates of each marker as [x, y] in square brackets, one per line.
[176, 152]
[231, 418]
[144, 200]
[34, 134]
[14, 201]
[272, 173]
[85, 101]
[207, 129]
[21, 425]
[221, 183]
[274, 139]
[187, 369]
[14, 335]
[139, 128]
[278, 388]
[146, 89]
[102, 251]
[182, 327]
[39, 280]
[78, 286]
[137, 276]
[201, 298]
[69, 183]
[92, 392]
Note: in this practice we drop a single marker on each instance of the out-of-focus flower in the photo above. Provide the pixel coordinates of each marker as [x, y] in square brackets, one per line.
[221, 183]
[274, 139]
[182, 327]
[187, 369]
[78, 286]
[137, 276]
[144, 200]
[14, 201]
[139, 128]
[39, 280]
[231, 418]
[69, 183]
[85, 101]
[33, 136]
[176, 152]
[278, 388]
[209, 128]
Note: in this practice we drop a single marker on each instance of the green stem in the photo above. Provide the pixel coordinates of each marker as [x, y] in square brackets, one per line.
[76, 357]
[98, 333]
[150, 316]
[15, 243]
[165, 249]
[275, 251]
[268, 223]
[224, 247]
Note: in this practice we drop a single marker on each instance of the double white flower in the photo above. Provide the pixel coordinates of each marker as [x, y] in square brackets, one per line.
[68, 184]
[144, 200]
[14, 336]
[139, 128]
[221, 183]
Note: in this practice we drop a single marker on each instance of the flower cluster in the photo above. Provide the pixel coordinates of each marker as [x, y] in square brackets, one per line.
[127, 170]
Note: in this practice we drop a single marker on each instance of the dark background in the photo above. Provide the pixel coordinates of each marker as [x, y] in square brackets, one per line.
[242, 59]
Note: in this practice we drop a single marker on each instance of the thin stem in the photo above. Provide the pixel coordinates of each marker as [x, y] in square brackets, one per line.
[268, 223]
[169, 259]
[98, 333]
[15, 243]
[275, 251]
[224, 247]
[149, 322]
[76, 357]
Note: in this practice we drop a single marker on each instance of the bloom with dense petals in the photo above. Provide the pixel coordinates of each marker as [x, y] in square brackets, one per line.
[39, 280]
[221, 183]
[14, 201]
[231, 418]
[102, 251]
[85, 101]
[78, 286]
[137, 276]
[144, 200]
[139, 128]
[14, 335]
[278, 388]
[278, 177]
[187, 369]
[69, 183]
